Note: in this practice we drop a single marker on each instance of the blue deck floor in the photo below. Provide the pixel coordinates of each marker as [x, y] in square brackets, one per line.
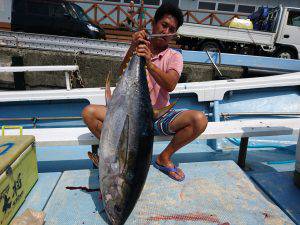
[41, 192]
[280, 188]
[213, 187]
[216, 192]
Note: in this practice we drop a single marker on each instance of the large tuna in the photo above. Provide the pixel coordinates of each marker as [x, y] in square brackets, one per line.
[126, 143]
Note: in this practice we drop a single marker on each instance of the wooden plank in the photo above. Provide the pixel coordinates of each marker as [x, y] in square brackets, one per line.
[118, 32]
[237, 128]
[212, 193]
[126, 36]
[118, 38]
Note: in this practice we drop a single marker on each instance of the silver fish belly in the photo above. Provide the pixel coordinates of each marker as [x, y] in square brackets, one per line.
[126, 143]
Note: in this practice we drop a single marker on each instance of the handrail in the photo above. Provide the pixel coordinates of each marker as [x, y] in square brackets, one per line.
[12, 69]
[71, 68]
[117, 11]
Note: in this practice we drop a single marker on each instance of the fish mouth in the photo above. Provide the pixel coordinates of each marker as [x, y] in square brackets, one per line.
[110, 216]
[114, 214]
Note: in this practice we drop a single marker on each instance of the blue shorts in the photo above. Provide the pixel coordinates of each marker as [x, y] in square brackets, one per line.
[161, 125]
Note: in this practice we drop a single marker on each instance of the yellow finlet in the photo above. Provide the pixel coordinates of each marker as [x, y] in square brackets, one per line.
[160, 112]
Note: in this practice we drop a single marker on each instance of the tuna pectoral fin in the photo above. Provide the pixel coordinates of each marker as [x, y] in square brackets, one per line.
[107, 89]
[123, 146]
[159, 112]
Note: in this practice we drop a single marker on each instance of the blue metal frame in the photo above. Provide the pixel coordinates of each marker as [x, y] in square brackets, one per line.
[259, 62]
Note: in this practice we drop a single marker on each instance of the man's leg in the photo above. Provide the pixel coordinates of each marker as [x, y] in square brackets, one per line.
[93, 116]
[187, 126]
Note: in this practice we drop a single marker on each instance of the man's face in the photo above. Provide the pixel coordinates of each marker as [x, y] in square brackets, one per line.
[166, 25]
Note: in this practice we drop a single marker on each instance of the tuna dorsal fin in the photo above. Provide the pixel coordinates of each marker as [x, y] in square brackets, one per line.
[107, 88]
[159, 112]
[123, 147]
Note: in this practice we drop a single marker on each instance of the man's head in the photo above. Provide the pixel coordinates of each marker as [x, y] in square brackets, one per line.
[169, 9]
[168, 18]
[131, 3]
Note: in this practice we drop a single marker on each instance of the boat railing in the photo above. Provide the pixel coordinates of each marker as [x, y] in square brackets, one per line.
[68, 69]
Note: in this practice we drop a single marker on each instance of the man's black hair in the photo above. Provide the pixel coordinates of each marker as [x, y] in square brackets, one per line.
[171, 9]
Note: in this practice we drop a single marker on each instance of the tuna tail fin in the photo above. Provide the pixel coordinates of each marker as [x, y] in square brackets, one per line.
[107, 89]
[159, 112]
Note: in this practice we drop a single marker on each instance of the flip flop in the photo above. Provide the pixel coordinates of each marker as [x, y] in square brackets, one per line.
[167, 170]
[94, 158]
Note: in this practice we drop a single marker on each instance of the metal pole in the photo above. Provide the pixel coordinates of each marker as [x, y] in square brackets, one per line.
[243, 152]
[68, 85]
[216, 143]
[141, 15]
[19, 77]
[297, 166]
[215, 66]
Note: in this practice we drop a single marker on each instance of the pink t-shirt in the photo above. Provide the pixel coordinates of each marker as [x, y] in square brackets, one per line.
[166, 61]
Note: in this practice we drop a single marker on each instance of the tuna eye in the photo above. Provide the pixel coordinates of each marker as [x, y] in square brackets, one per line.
[117, 209]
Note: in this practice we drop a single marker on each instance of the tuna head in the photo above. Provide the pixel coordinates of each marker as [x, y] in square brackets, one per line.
[126, 143]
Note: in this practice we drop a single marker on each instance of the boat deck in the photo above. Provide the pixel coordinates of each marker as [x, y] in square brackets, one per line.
[215, 191]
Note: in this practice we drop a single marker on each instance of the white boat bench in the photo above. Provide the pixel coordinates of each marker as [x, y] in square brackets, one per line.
[227, 129]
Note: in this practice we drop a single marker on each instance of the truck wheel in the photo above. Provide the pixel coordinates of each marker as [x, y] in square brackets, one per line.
[210, 46]
[285, 53]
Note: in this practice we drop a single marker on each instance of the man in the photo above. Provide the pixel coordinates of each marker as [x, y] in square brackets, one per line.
[130, 11]
[164, 66]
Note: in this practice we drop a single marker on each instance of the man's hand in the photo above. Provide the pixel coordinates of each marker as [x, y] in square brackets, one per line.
[142, 45]
[139, 37]
[143, 51]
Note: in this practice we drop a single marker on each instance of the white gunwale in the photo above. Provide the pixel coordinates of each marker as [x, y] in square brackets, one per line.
[205, 91]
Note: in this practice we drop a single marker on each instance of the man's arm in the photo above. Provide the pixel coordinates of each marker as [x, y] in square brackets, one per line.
[167, 80]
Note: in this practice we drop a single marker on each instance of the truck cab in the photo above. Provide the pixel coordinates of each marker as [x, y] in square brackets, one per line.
[288, 37]
[57, 17]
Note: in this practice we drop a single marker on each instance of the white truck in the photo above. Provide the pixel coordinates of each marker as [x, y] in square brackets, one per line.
[281, 40]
